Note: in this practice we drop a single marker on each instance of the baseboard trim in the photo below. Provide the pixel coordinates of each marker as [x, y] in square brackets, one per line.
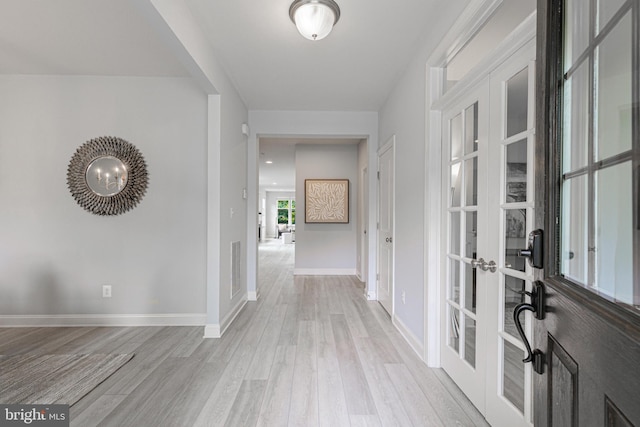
[212, 331]
[409, 337]
[57, 320]
[252, 296]
[324, 272]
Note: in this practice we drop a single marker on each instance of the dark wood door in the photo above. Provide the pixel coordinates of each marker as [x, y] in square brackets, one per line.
[587, 186]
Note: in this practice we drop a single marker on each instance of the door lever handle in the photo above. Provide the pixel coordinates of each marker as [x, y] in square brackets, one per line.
[537, 306]
[475, 263]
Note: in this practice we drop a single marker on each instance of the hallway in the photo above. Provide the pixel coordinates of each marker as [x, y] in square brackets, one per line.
[311, 352]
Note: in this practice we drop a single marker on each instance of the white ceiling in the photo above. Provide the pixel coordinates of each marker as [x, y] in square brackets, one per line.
[354, 68]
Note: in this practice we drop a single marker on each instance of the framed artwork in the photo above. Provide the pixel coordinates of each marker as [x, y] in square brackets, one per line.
[326, 201]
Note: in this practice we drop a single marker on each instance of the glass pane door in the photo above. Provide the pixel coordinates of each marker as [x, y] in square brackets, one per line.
[463, 356]
[510, 211]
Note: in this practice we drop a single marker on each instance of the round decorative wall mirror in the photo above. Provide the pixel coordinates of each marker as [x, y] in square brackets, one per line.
[107, 176]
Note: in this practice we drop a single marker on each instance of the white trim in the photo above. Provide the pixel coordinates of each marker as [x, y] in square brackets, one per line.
[228, 320]
[409, 337]
[252, 296]
[519, 37]
[45, 320]
[324, 272]
[212, 331]
[470, 21]
[432, 231]
[217, 330]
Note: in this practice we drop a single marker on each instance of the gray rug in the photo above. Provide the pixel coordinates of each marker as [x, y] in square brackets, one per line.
[54, 378]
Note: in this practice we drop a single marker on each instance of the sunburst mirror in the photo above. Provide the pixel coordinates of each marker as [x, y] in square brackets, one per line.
[107, 176]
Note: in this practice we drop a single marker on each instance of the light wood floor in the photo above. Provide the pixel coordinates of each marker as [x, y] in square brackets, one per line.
[311, 352]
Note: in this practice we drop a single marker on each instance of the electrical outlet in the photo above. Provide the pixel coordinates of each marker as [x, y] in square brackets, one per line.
[106, 291]
[404, 297]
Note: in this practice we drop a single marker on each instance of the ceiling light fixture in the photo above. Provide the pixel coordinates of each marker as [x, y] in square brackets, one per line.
[314, 18]
[268, 162]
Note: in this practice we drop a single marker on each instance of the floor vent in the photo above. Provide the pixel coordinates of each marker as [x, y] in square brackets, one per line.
[235, 268]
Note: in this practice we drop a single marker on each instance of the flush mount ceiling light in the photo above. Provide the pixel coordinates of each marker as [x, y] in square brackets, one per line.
[314, 18]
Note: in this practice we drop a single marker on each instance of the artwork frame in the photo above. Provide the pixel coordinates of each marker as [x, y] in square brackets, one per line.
[326, 201]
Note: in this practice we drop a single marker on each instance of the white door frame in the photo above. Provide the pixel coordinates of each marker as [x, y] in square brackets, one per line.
[390, 145]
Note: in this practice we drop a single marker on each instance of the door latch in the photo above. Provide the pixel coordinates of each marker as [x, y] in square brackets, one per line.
[534, 249]
[538, 307]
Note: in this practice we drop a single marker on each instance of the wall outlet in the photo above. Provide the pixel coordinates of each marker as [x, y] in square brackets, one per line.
[106, 291]
[404, 297]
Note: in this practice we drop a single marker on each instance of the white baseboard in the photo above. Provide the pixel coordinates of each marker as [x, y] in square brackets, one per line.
[252, 296]
[212, 331]
[38, 320]
[324, 272]
[413, 341]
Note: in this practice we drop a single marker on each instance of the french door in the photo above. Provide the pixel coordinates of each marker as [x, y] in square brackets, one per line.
[488, 137]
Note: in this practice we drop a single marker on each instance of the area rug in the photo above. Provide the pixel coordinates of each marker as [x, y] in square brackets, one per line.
[54, 378]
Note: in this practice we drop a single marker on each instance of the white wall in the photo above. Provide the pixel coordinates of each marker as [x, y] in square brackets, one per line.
[55, 256]
[226, 157]
[404, 114]
[326, 248]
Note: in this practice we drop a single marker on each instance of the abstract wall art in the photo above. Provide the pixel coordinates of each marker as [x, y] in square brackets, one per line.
[326, 201]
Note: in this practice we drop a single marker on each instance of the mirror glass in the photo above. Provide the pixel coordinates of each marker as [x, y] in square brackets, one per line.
[106, 176]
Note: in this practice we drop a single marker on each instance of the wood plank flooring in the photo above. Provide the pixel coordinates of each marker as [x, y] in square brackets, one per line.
[312, 351]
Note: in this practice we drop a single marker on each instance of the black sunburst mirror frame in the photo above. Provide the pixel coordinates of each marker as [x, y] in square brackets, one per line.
[125, 199]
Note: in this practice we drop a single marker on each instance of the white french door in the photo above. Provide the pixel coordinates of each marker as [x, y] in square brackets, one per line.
[488, 200]
[510, 203]
[463, 346]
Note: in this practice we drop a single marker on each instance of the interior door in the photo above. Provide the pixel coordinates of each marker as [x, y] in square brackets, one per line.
[463, 343]
[588, 113]
[509, 390]
[385, 225]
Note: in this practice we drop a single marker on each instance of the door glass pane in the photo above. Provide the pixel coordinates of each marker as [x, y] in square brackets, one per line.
[454, 288]
[513, 375]
[456, 137]
[576, 30]
[606, 10]
[575, 127]
[471, 241]
[574, 229]
[471, 174]
[517, 101]
[513, 295]
[470, 340]
[515, 226]
[516, 171]
[454, 328]
[455, 233]
[613, 91]
[471, 129]
[456, 185]
[469, 288]
[614, 242]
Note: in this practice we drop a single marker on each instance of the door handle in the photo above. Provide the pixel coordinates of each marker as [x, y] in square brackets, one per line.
[537, 306]
[475, 263]
[388, 240]
[483, 265]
